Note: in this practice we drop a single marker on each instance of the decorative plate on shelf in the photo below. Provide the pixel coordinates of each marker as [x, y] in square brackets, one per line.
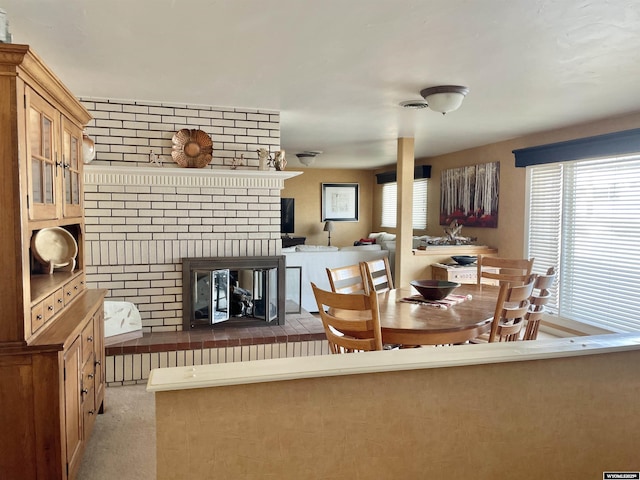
[55, 247]
[192, 148]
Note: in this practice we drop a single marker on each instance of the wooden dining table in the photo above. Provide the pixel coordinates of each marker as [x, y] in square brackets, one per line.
[417, 323]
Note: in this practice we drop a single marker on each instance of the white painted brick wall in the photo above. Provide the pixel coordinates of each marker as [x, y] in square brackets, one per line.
[127, 131]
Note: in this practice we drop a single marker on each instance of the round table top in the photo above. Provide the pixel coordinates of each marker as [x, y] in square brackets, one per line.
[417, 323]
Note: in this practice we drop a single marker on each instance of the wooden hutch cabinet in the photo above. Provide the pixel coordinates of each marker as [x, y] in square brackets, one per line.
[52, 381]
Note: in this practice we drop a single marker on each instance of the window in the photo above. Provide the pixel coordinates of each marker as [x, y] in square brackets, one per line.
[584, 219]
[390, 200]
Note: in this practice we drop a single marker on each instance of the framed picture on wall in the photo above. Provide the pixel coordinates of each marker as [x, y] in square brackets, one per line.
[340, 202]
[469, 195]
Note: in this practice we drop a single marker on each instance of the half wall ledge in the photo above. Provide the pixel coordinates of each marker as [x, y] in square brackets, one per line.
[180, 378]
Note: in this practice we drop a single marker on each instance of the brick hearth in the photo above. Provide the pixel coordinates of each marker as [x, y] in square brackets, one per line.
[131, 361]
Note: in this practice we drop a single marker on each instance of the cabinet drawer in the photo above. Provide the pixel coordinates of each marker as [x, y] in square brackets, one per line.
[59, 299]
[88, 412]
[88, 343]
[46, 309]
[88, 378]
[49, 305]
[73, 288]
[470, 276]
[37, 316]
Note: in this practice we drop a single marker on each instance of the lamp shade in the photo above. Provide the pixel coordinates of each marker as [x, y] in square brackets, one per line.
[328, 226]
[445, 98]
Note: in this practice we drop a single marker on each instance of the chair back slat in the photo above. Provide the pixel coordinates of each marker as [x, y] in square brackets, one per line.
[511, 308]
[347, 279]
[514, 271]
[538, 299]
[377, 274]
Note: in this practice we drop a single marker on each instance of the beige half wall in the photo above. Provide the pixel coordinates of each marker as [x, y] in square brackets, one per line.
[551, 409]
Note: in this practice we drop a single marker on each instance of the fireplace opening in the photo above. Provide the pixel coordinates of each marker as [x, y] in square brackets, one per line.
[241, 291]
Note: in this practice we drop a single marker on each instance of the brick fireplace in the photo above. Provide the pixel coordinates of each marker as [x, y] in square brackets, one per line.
[142, 221]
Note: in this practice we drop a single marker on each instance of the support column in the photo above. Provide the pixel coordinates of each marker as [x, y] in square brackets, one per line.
[404, 226]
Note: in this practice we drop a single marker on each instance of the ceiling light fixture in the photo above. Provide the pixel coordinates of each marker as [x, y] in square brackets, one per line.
[445, 98]
[307, 158]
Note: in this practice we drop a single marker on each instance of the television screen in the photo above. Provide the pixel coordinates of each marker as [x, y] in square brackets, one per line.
[287, 220]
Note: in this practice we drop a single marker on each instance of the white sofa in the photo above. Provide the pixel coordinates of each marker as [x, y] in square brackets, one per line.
[314, 261]
[387, 241]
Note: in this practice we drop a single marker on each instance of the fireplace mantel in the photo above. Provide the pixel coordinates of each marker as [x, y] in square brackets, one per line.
[185, 177]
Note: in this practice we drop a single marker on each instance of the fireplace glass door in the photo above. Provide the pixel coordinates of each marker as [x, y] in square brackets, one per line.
[241, 290]
[210, 296]
[265, 294]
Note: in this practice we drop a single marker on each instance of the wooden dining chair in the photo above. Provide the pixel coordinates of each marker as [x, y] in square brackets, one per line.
[347, 279]
[499, 270]
[351, 320]
[538, 299]
[511, 308]
[377, 274]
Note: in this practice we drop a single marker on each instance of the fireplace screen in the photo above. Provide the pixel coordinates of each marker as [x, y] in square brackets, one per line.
[220, 289]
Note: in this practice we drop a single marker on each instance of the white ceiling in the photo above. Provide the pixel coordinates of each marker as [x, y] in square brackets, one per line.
[338, 69]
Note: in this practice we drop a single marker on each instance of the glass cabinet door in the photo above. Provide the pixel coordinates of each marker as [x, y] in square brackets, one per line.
[71, 168]
[41, 156]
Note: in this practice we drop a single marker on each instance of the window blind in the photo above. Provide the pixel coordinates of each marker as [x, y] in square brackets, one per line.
[420, 204]
[544, 225]
[390, 204]
[585, 217]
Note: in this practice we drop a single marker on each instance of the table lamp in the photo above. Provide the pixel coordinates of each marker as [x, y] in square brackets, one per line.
[328, 227]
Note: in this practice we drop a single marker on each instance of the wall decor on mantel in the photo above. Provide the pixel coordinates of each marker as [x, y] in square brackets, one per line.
[469, 195]
[191, 148]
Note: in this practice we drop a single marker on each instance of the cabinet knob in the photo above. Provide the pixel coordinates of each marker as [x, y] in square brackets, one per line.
[75, 287]
[38, 317]
[50, 308]
[90, 338]
[90, 375]
[90, 412]
[60, 300]
[98, 362]
[68, 294]
[84, 391]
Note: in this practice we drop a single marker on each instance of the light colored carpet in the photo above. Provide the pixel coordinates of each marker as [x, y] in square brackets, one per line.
[123, 443]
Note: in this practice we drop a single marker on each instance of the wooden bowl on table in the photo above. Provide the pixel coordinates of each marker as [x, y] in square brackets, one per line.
[434, 289]
[464, 259]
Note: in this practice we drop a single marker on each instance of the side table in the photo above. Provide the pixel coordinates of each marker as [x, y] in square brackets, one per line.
[457, 273]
